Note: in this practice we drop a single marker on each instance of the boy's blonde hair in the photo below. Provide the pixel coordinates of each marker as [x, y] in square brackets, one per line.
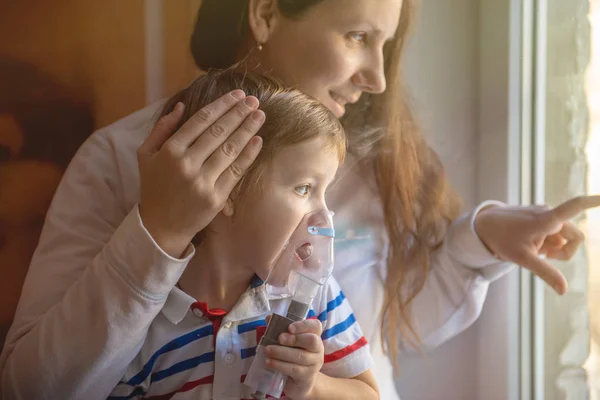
[292, 117]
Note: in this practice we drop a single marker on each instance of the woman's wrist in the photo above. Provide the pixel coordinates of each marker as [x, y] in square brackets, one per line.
[479, 229]
[172, 243]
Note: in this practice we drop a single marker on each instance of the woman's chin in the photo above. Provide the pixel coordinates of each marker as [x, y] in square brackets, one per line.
[336, 108]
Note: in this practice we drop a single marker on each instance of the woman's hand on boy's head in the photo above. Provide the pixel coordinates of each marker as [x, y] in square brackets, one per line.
[300, 357]
[522, 234]
[187, 174]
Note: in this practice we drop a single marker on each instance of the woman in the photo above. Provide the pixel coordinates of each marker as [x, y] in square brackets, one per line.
[413, 272]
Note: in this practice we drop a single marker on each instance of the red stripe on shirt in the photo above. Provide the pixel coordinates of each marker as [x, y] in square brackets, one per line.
[336, 355]
[186, 387]
[260, 332]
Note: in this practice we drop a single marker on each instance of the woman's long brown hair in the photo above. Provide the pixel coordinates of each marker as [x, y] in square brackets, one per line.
[417, 200]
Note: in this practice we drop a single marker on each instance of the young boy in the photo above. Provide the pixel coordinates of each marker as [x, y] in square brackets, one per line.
[203, 342]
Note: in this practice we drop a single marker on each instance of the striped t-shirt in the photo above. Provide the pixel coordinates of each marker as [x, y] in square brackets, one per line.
[192, 352]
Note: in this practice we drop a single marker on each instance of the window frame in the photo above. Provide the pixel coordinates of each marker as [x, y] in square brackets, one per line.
[511, 168]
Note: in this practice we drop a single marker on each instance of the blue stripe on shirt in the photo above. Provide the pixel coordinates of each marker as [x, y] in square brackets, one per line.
[339, 328]
[247, 353]
[183, 366]
[250, 326]
[256, 282]
[172, 345]
[331, 305]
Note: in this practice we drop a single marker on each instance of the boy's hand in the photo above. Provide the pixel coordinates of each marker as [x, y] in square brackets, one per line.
[300, 357]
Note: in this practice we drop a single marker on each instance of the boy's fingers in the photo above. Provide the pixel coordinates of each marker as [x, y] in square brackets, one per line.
[307, 326]
[289, 354]
[307, 341]
[296, 372]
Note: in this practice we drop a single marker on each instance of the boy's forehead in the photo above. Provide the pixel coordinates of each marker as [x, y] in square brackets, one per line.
[311, 156]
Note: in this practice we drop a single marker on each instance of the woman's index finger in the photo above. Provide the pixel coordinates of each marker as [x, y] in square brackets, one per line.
[570, 209]
[205, 117]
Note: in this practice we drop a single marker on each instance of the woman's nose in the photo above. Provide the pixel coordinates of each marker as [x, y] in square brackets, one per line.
[371, 78]
[372, 82]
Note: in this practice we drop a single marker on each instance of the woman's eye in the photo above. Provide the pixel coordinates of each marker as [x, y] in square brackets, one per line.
[303, 190]
[358, 37]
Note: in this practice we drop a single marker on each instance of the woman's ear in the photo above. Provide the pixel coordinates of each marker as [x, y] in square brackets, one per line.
[229, 208]
[262, 16]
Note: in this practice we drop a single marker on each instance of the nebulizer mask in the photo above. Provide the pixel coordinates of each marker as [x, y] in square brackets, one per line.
[304, 265]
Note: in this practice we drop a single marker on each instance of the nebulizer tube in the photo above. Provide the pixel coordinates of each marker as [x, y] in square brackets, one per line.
[300, 271]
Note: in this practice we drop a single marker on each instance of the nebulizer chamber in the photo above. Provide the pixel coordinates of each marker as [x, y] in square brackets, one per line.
[304, 265]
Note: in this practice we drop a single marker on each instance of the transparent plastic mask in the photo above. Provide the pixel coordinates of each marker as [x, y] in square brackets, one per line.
[302, 268]
[307, 257]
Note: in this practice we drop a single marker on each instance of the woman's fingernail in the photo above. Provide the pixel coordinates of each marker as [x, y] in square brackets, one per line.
[251, 102]
[257, 141]
[238, 94]
[293, 329]
[258, 115]
[179, 106]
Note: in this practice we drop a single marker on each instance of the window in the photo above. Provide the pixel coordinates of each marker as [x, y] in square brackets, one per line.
[561, 147]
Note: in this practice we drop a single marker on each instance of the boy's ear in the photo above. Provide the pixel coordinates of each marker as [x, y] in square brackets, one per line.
[229, 208]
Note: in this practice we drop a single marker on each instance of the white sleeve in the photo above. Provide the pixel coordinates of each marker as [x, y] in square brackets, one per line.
[456, 288]
[95, 283]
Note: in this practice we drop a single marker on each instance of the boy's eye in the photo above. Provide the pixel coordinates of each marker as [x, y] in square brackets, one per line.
[303, 190]
[358, 37]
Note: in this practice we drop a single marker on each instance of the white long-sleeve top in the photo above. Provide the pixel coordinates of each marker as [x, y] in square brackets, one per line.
[97, 279]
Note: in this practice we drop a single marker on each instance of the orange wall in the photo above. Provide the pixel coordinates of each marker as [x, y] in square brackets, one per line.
[93, 54]
[94, 47]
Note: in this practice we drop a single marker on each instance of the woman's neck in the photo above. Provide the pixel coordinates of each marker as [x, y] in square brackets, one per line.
[214, 276]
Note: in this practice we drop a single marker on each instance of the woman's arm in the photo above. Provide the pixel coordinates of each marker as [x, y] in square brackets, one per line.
[464, 266]
[455, 290]
[96, 282]
[98, 277]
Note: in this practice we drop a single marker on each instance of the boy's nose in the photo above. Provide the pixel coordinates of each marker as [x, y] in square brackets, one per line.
[321, 219]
